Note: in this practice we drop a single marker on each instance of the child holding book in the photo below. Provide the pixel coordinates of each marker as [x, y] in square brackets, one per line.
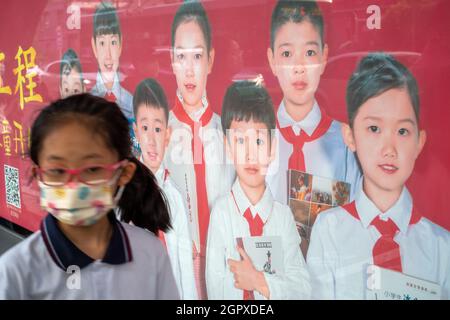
[249, 210]
[309, 141]
[381, 226]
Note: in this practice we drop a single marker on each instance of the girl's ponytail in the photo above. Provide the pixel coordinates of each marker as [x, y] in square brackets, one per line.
[143, 203]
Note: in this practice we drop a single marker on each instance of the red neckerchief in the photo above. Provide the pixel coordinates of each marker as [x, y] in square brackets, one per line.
[199, 166]
[385, 252]
[297, 158]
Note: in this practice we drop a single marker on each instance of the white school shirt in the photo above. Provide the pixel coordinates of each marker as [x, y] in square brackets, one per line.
[124, 98]
[327, 156]
[135, 266]
[228, 223]
[341, 248]
[178, 239]
[179, 160]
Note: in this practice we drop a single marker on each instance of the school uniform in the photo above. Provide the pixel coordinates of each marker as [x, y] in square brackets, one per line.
[124, 100]
[135, 266]
[229, 220]
[200, 173]
[178, 239]
[345, 240]
[313, 145]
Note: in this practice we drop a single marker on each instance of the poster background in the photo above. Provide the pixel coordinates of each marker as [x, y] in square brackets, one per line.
[415, 31]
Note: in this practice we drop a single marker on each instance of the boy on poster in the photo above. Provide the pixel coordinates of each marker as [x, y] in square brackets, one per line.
[382, 224]
[195, 156]
[309, 141]
[71, 75]
[249, 210]
[152, 132]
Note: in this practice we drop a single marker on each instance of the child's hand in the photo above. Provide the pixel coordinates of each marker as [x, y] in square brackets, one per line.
[246, 277]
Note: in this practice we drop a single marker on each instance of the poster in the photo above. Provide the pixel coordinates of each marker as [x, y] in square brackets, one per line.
[34, 36]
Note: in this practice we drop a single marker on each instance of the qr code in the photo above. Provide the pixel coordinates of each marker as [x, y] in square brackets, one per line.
[12, 186]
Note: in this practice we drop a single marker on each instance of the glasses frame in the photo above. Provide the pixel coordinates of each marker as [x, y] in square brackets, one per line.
[76, 173]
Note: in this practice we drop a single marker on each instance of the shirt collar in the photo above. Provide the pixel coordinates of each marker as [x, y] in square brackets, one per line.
[64, 253]
[159, 175]
[400, 212]
[196, 115]
[308, 124]
[101, 85]
[263, 208]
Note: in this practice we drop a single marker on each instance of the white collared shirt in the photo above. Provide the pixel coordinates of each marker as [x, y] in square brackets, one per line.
[124, 98]
[327, 156]
[179, 160]
[29, 271]
[178, 239]
[341, 248]
[228, 223]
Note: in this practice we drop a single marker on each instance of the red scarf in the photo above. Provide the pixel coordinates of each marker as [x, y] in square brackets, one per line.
[385, 252]
[199, 166]
[297, 158]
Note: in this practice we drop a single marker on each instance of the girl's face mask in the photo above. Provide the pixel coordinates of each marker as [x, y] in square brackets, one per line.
[80, 204]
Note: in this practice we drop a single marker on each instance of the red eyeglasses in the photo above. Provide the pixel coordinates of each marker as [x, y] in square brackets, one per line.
[91, 175]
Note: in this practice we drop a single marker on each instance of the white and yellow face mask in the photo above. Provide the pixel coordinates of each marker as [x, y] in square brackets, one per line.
[77, 203]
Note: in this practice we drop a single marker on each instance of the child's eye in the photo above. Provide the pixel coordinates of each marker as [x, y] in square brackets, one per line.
[259, 142]
[403, 132]
[311, 53]
[145, 128]
[374, 129]
[180, 56]
[55, 171]
[102, 43]
[286, 54]
[114, 42]
[157, 130]
[198, 56]
[240, 140]
[92, 169]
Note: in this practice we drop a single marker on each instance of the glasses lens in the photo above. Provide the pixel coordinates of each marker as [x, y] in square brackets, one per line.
[95, 175]
[55, 177]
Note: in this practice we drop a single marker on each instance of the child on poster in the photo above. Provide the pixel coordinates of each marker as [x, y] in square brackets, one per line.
[310, 141]
[382, 224]
[71, 75]
[84, 167]
[152, 132]
[249, 209]
[195, 156]
[106, 42]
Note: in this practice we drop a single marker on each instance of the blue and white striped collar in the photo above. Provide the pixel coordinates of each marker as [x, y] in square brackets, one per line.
[64, 253]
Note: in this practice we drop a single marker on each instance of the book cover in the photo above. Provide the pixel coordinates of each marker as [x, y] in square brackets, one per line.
[266, 253]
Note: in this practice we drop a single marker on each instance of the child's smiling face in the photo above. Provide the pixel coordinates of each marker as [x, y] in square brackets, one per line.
[298, 60]
[191, 62]
[386, 139]
[250, 148]
[107, 49]
[153, 135]
[71, 84]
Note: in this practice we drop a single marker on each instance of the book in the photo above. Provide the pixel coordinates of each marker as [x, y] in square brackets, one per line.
[310, 195]
[266, 253]
[385, 284]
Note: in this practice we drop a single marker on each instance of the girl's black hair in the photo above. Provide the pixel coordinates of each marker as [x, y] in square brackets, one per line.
[70, 61]
[142, 201]
[246, 100]
[375, 74]
[192, 11]
[106, 20]
[295, 11]
[150, 93]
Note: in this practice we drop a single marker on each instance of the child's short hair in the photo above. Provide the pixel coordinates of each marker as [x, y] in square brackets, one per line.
[70, 61]
[150, 93]
[106, 20]
[295, 11]
[245, 100]
[192, 11]
[375, 74]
